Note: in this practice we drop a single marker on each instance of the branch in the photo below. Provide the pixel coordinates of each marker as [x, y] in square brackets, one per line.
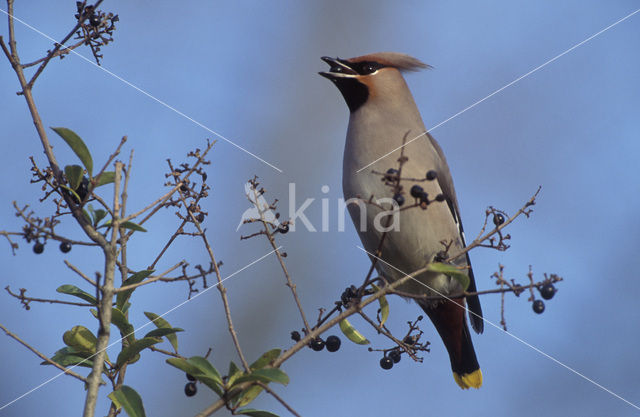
[276, 249]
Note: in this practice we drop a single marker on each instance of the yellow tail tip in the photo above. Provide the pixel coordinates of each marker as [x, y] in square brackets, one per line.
[472, 380]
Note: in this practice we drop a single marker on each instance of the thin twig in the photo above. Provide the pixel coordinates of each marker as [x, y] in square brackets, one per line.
[42, 356]
[82, 275]
[26, 300]
[150, 280]
[272, 241]
[280, 400]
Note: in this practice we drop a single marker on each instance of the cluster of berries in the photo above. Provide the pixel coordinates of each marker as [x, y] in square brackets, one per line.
[332, 343]
[38, 247]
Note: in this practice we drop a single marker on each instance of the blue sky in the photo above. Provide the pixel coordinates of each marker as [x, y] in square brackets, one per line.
[248, 70]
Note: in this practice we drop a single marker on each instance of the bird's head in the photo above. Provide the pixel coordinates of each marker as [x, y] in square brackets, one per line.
[365, 77]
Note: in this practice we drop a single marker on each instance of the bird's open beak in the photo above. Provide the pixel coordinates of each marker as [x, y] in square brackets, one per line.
[339, 69]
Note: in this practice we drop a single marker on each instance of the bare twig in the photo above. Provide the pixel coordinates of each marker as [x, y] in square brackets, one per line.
[272, 241]
[150, 280]
[80, 273]
[278, 398]
[26, 300]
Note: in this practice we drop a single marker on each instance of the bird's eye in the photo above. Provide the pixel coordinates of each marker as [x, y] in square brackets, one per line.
[368, 68]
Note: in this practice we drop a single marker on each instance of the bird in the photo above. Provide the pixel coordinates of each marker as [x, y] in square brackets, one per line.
[383, 116]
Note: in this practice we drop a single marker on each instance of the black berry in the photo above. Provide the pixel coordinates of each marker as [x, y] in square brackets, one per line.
[94, 20]
[498, 219]
[283, 228]
[386, 363]
[38, 248]
[190, 389]
[295, 336]
[200, 217]
[420, 318]
[391, 174]
[399, 198]
[333, 343]
[184, 188]
[317, 344]
[538, 306]
[395, 356]
[440, 197]
[416, 191]
[65, 247]
[431, 175]
[83, 189]
[547, 291]
[191, 377]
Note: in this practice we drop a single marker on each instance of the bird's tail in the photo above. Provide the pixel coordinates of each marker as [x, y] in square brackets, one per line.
[450, 321]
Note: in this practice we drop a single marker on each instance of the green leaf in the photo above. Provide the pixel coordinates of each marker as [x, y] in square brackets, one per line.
[77, 292]
[163, 324]
[384, 306]
[127, 398]
[98, 215]
[126, 225]
[256, 413]
[68, 356]
[136, 347]
[77, 146]
[201, 369]
[74, 175]
[107, 177]
[265, 375]
[123, 297]
[352, 334]
[265, 359]
[450, 270]
[119, 319]
[249, 395]
[163, 332]
[234, 372]
[81, 339]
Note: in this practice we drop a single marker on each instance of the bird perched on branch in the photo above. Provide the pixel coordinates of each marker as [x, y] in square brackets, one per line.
[383, 114]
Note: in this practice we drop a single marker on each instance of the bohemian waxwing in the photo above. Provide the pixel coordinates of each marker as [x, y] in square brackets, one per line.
[382, 112]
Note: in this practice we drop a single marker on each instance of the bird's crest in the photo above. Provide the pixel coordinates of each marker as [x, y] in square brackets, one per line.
[402, 62]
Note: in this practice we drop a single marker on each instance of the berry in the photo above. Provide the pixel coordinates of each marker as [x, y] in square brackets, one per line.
[83, 189]
[190, 389]
[431, 175]
[386, 363]
[317, 344]
[38, 248]
[547, 291]
[295, 336]
[391, 174]
[94, 20]
[65, 247]
[538, 306]
[399, 198]
[420, 318]
[200, 217]
[333, 343]
[440, 197]
[395, 356]
[191, 377]
[184, 188]
[498, 219]
[283, 229]
[417, 191]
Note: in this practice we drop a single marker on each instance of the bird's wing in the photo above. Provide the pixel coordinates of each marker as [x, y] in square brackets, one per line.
[446, 185]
